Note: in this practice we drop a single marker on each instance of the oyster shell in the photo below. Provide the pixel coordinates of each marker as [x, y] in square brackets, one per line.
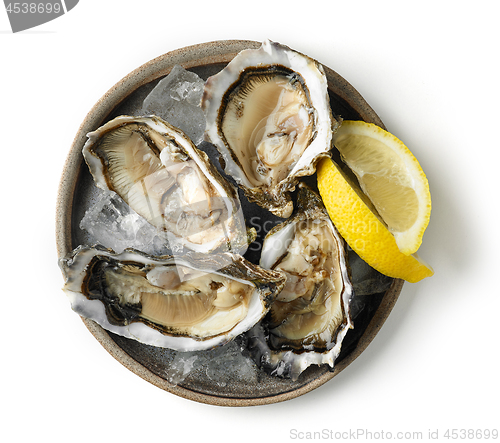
[163, 177]
[187, 303]
[311, 315]
[268, 114]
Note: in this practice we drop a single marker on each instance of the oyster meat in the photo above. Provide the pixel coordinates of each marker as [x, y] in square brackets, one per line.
[190, 303]
[311, 315]
[268, 113]
[163, 177]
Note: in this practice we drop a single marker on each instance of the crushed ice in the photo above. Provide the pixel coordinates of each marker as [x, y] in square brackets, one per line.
[113, 224]
[180, 367]
[222, 365]
[176, 98]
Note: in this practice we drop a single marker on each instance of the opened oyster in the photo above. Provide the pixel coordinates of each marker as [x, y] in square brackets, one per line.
[268, 114]
[191, 303]
[163, 177]
[311, 315]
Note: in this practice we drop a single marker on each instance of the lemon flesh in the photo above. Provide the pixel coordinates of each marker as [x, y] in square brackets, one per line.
[391, 177]
[360, 225]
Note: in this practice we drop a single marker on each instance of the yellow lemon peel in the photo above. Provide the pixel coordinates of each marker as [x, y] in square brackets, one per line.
[362, 229]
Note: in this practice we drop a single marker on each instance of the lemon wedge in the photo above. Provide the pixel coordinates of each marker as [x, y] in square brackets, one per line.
[360, 224]
[391, 177]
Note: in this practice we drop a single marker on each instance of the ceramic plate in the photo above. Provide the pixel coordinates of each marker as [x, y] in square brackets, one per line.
[227, 387]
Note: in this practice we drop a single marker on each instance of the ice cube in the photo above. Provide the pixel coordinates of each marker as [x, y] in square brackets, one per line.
[181, 366]
[176, 98]
[229, 364]
[115, 225]
[223, 365]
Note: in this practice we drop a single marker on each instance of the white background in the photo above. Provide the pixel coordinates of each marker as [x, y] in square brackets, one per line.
[429, 69]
